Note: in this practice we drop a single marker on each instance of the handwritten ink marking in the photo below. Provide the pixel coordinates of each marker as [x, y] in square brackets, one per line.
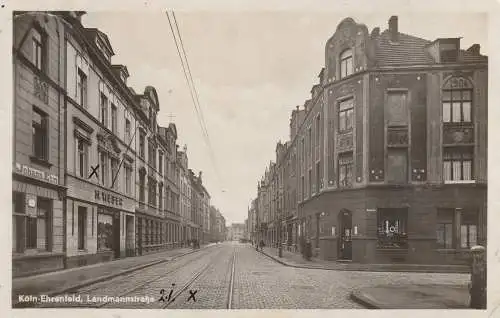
[192, 293]
[162, 292]
[94, 171]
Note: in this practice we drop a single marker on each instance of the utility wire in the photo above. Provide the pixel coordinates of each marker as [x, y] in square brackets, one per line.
[192, 88]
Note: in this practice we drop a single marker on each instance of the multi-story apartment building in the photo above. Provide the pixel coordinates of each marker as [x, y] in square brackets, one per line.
[185, 196]
[392, 149]
[168, 137]
[38, 191]
[196, 205]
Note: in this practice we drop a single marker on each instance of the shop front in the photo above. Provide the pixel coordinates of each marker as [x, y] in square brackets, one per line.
[37, 221]
[100, 224]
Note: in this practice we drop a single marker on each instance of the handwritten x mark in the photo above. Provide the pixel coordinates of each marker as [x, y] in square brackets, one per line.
[94, 171]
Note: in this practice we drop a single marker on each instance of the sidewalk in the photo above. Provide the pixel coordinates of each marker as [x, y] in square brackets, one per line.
[296, 260]
[66, 280]
[413, 297]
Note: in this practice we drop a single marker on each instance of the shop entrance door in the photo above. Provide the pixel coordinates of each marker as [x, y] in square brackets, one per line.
[116, 235]
[345, 235]
[129, 235]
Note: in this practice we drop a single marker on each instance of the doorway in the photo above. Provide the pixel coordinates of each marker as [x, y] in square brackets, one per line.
[116, 235]
[345, 235]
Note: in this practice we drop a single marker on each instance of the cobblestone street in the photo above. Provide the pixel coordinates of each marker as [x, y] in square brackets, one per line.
[258, 282]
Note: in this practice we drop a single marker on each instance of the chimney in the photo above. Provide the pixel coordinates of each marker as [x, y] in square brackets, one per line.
[393, 28]
[475, 49]
[199, 175]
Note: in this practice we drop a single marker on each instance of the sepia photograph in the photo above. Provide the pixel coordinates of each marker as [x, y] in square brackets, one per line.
[190, 159]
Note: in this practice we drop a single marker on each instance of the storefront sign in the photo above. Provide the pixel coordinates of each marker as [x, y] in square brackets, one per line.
[35, 173]
[108, 198]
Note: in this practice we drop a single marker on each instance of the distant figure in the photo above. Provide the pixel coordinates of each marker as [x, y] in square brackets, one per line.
[261, 244]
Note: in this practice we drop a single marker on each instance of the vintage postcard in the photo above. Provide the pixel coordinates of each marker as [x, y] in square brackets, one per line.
[193, 158]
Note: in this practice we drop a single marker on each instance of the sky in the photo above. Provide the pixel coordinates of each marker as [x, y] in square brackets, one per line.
[251, 69]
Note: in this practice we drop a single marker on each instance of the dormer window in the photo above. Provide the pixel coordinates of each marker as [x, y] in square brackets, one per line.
[345, 63]
[448, 50]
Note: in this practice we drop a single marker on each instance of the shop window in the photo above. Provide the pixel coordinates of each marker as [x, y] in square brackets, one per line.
[444, 228]
[346, 112]
[82, 158]
[457, 164]
[82, 227]
[82, 88]
[346, 66]
[345, 163]
[457, 105]
[18, 221]
[468, 230]
[392, 228]
[40, 134]
[397, 166]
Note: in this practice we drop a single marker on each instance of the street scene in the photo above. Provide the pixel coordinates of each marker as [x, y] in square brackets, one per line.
[212, 160]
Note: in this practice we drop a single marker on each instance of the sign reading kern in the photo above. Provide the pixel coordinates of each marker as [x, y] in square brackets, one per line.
[108, 198]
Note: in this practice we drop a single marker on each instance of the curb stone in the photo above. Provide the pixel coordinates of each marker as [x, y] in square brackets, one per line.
[366, 269]
[363, 300]
[91, 281]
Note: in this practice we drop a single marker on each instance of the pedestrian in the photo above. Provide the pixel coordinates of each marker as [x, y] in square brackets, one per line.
[261, 245]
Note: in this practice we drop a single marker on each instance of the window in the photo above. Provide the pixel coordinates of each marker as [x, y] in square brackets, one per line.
[457, 105]
[152, 191]
[346, 110]
[18, 221]
[444, 228]
[104, 110]
[160, 197]
[82, 227]
[40, 134]
[82, 158]
[318, 130]
[397, 166]
[345, 162]
[468, 229]
[345, 63]
[142, 141]
[128, 179]
[104, 231]
[396, 109]
[115, 173]
[160, 162]
[128, 134]
[82, 87]
[303, 188]
[142, 186]
[114, 118]
[38, 50]
[392, 228]
[310, 141]
[457, 164]
[103, 159]
[310, 182]
[318, 177]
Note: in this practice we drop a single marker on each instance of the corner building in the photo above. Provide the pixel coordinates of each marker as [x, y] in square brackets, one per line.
[392, 149]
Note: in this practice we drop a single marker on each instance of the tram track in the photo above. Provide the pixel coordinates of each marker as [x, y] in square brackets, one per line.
[178, 263]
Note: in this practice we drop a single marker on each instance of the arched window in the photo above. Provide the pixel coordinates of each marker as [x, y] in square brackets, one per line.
[457, 101]
[345, 63]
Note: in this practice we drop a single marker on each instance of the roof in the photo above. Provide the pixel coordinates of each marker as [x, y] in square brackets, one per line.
[412, 50]
[409, 50]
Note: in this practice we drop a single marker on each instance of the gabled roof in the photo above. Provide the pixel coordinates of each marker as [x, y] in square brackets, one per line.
[412, 50]
[94, 32]
[409, 50]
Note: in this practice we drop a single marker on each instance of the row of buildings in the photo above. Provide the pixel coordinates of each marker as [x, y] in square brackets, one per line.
[387, 159]
[95, 177]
